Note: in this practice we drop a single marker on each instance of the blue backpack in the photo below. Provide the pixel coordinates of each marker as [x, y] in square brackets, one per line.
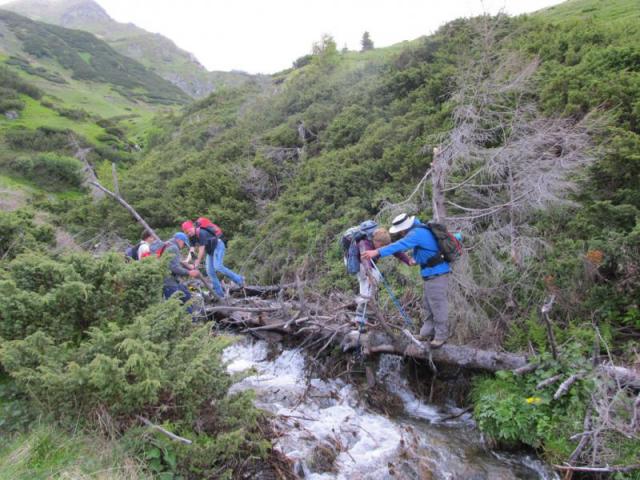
[349, 243]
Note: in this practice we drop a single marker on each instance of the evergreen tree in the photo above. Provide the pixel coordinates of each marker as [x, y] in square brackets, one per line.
[366, 42]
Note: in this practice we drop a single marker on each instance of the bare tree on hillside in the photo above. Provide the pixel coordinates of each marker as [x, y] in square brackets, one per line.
[501, 164]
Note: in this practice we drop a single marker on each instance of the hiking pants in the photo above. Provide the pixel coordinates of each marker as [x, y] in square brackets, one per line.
[367, 286]
[436, 305]
[215, 263]
[186, 294]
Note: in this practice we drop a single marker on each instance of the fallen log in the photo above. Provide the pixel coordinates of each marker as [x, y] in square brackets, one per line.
[259, 315]
[129, 208]
[624, 376]
[449, 354]
[262, 289]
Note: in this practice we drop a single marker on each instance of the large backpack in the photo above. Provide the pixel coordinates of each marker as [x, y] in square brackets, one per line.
[161, 249]
[132, 251]
[349, 244]
[450, 248]
[209, 226]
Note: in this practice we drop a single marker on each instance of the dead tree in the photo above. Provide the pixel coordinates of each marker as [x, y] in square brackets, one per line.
[116, 196]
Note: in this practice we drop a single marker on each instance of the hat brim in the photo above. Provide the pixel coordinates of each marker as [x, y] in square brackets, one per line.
[401, 227]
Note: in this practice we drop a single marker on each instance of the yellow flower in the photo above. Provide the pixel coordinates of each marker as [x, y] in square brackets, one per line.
[534, 400]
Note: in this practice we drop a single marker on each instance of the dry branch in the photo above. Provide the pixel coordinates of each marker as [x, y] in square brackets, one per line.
[566, 385]
[548, 381]
[607, 469]
[131, 210]
[172, 436]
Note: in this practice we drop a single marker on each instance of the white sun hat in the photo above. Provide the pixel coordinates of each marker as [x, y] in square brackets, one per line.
[401, 223]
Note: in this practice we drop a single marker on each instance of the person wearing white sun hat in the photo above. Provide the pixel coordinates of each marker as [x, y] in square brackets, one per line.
[433, 268]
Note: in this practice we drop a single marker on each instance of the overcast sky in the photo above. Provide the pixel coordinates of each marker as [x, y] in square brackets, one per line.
[265, 36]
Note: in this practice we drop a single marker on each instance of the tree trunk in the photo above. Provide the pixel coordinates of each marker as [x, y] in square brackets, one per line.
[438, 180]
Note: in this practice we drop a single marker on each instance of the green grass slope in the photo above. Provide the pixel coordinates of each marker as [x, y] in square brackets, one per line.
[598, 10]
[59, 82]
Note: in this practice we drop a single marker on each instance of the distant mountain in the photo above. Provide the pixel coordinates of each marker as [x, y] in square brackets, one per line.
[53, 53]
[154, 51]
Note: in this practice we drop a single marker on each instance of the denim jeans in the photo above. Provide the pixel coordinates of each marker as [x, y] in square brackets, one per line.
[215, 263]
[186, 294]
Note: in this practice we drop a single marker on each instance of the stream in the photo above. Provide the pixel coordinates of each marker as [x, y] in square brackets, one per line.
[329, 433]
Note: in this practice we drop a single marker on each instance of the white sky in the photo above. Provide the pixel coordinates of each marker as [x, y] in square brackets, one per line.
[265, 36]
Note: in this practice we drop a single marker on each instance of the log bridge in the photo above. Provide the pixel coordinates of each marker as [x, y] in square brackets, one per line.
[329, 322]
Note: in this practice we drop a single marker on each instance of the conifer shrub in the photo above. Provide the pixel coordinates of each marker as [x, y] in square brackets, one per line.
[157, 365]
[19, 234]
[85, 338]
[9, 80]
[63, 297]
[49, 170]
[42, 139]
[8, 104]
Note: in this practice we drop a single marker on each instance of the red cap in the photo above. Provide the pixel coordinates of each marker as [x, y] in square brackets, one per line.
[186, 226]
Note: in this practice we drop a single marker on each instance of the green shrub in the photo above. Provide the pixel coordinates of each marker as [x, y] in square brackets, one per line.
[18, 233]
[158, 364]
[66, 296]
[347, 128]
[50, 170]
[509, 409]
[43, 139]
[9, 80]
[7, 104]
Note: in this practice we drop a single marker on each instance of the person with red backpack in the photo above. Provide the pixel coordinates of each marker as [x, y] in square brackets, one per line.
[428, 252]
[211, 248]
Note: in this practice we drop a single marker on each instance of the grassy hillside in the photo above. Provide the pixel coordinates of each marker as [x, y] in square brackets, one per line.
[65, 88]
[154, 51]
[602, 11]
[87, 58]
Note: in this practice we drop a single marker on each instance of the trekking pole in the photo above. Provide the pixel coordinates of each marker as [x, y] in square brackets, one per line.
[396, 302]
[407, 321]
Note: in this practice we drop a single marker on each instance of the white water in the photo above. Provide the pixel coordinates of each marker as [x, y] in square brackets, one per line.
[313, 415]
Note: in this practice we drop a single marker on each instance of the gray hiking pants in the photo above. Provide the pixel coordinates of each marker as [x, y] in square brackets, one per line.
[436, 305]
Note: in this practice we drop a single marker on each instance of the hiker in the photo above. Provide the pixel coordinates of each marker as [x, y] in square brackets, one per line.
[144, 247]
[211, 248]
[433, 268]
[368, 277]
[366, 236]
[172, 282]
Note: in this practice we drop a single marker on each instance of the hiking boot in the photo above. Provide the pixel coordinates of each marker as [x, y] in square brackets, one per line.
[437, 343]
[424, 338]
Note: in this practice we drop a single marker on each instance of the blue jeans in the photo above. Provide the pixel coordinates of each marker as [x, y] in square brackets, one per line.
[186, 294]
[215, 263]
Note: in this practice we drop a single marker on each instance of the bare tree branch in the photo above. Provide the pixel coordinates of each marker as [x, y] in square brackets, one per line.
[131, 210]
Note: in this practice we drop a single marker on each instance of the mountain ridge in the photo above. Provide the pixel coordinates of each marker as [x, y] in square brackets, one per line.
[155, 51]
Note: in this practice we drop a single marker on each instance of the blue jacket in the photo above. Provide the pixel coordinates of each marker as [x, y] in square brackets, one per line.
[424, 246]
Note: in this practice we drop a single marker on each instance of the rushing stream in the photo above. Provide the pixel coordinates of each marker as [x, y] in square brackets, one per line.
[319, 419]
